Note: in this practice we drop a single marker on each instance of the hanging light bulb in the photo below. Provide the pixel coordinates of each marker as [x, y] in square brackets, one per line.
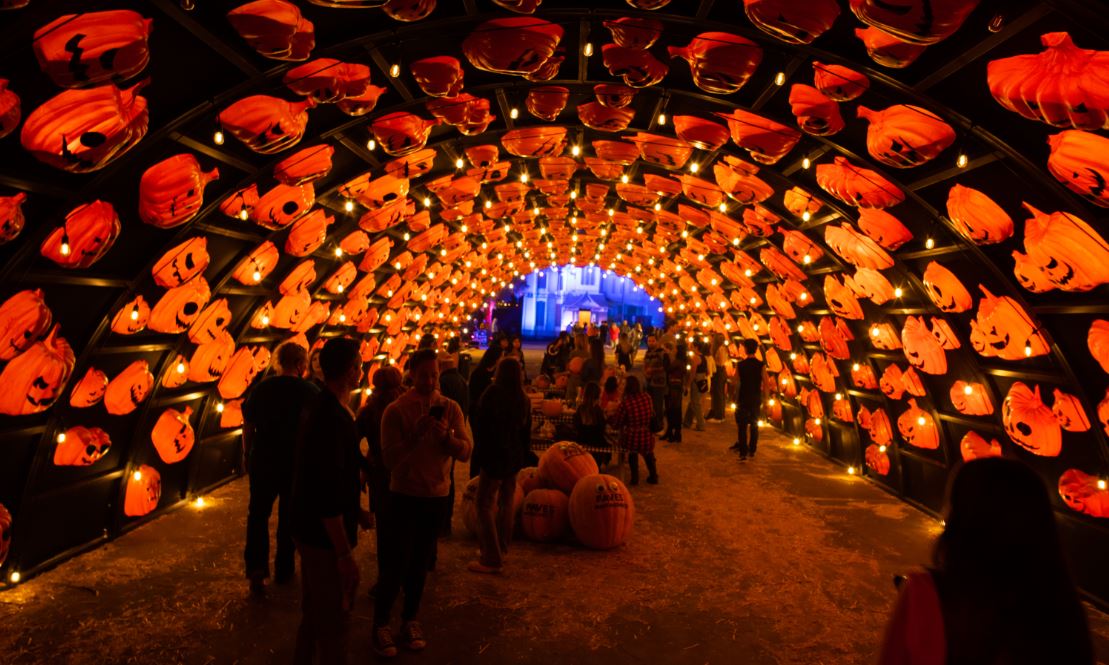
[65, 248]
[694, 167]
[394, 70]
[514, 113]
[587, 50]
[180, 366]
[217, 138]
[371, 144]
[806, 216]
[243, 214]
[257, 275]
[780, 78]
[806, 163]
[996, 23]
[524, 177]
[348, 206]
[624, 178]
[929, 243]
[575, 150]
[61, 437]
[661, 119]
[723, 207]
[338, 252]
[427, 201]
[961, 160]
[458, 163]
[897, 292]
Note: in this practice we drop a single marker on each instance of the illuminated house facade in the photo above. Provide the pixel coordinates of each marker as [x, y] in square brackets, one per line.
[556, 298]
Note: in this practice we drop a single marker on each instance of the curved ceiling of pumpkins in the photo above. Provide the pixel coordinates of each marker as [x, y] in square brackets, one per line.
[903, 200]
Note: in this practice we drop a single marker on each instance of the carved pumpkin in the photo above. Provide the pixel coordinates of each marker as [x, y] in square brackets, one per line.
[401, 133]
[241, 204]
[144, 491]
[1084, 493]
[720, 62]
[974, 446]
[232, 414]
[408, 10]
[857, 186]
[327, 81]
[856, 248]
[832, 340]
[376, 255]
[1030, 423]
[883, 228]
[798, 202]
[241, 371]
[971, 399]
[921, 347]
[1078, 160]
[613, 95]
[257, 265]
[274, 28]
[177, 373]
[601, 511]
[283, 205]
[291, 310]
[878, 426]
[917, 21]
[210, 359]
[1097, 339]
[89, 232]
[886, 49]
[535, 141]
[546, 102]
[1069, 412]
[862, 375]
[362, 104]
[1002, 328]
[918, 428]
[304, 166]
[180, 306]
[299, 278]
[10, 109]
[81, 50]
[891, 383]
[308, 233]
[564, 464]
[129, 388]
[89, 389]
[266, 124]
[438, 76]
[35, 378]
[1066, 251]
[877, 459]
[355, 243]
[84, 130]
[181, 263]
[766, 140]
[514, 45]
[884, 336]
[602, 118]
[173, 435]
[24, 319]
[132, 317]
[638, 68]
[838, 82]
[1103, 412]
[816, 114]
[977, 217]
[211, 323]
[1062, 85]
[945, 289]
[81, 446]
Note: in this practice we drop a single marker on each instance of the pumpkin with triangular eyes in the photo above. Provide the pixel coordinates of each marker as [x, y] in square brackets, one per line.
[877, 459]
[904, 136]
[177, 372]
[173, 435]
[1068, 252]
[181, 263]
[210, 359]
[88, 233]
[129, 388]
[144, 491]
[274, 28]
[1004, 329]
[857, 186]
[945, 289]
[132, 317]
[1078, 160]
[89, 389]
[24, 319]
[180, 306]
[211, 323]
[81, 446]
[35, 378]
[1029, 274]
[1030, 423]
[171, 192]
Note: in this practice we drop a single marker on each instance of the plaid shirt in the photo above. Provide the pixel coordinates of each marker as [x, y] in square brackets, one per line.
[633, 417]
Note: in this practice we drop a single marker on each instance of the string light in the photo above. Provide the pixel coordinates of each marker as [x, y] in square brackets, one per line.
[180, 366]
[65, 248]
[394, 70]
[624, 178]
[575, 150]
[219, 407]
[806, 216]
[806, 163]
[929, 243]
[217, 138]
[458, 163]
[780, 78]
[796, 441]
[961, 160]
[694, 167]
[61, 437]
[338, 252]
[1101, 483]
[897, 292]
[244, 214]
[661, 119]
[587, 50]
[427, 201]
[348, 205]
[371, 144]
[514, 113]
[850, 470]
[14, 577]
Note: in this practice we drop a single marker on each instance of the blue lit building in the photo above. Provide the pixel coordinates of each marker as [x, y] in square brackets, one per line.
[556, 298]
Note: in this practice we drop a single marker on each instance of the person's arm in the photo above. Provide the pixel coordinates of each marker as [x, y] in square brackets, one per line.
[248, 441]
[394, 447]
[459, 442]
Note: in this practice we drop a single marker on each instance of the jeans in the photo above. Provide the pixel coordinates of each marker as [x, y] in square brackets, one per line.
[495, 512]
[267, 486]
[324, 624]
[674, 414]
[693, 413]
[408, 541]
[633, 466]
[658, 403]
[716, 391]
[747, 420]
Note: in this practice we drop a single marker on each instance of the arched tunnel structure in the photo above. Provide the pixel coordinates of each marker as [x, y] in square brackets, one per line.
[904, 202]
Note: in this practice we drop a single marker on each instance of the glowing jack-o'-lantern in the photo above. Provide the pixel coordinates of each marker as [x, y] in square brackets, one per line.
[601, 511]
[327, 81]
[974, 446]
[613, 95]
[546, 102]
[10, 109]
[832, 340]
[129, 388]
[638, 68]
[283, 205]
[1002, 328]
[720, 62]
[266, 124]
[701, 133]
[402, 133]
[514, 45]
[81, 446]
[792, 22]
[1066, 250]
[1069, 412]
[535, 141]
[878, 425]
[181, 263]
[362, 104]
[180, 306]
[921, 347]
[304, 166]
[354, 243]
[816, 114]
[80, 50]
[1062, 85]
[602, 118]
[144, 491]
[856, 248]
[291, 310]
[241, 370]
[274, 28]
[883, 228]
[971, 399]
[84, 130]
[210, 359]
[857, 186]
[132, 317]
[173, 435]
[838, 82]
[886, 49]
[11, 210]
[438, 76]
[376, 255]
[892, 384]
[877, 459]
[840, 299]
[916, 21]
[766, 140]
[177, 373]
[257, 265]
[862, 375]
[211, 323]
[35, 378]
[945, 289]
[1097, 339]
[408, 10]
[904, 136]
[308, 233]
[299, 278]
[89, 389]
[918, 428]
[1078, 160]
[88, 233]
[1083, 493]
[1030, 423]
[24, 319]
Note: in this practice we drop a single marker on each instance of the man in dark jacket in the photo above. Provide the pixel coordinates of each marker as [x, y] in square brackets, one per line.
[654, 374]
[751, 377]
[271, 415]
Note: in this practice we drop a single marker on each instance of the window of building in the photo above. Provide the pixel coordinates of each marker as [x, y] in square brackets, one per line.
[540, 314]
[588, 276]
[541, 281]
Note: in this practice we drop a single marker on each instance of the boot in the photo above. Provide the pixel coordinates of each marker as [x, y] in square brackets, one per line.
[633, 466]
[652, 470]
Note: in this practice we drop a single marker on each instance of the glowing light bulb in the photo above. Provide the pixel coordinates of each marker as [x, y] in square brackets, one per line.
[661, 118]
[394, 70]
[136, 476]
[967, 390]
[806, 216]
[61, 437]
[575, 150]
[587, 50]
[723, 207]
[929, 243]
[523, 177]
[217, 138]
[1101, 483]
[265, 321]
[855, 367]
[961, 160]
[881, 449]
[488, 204]
[920, 420]
[15, 577]
[850, 470]
[796, 441]
[243, 214]
[199, 502]
[427, 201]
[806, 259]
[371, 144]
[839, 396]
[348, 205]
[219, 407]
[135, 314]
[806, 163]
[458, 163]
[780, 78]
[624, 178]
[181, 367]
[514, 113]
[257, 275]
[1028, 350]
[65, 248]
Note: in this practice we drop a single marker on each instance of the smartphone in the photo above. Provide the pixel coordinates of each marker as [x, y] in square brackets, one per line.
[438, 411]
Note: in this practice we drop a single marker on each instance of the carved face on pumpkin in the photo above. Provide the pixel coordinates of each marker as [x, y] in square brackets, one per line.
[283, 205]
[402, 133]
[83, 446]
[89, 390]
[144, 491]
[24, 319]
[132, 317]
[266, 124]
[720, 62]
[1030, 423]
[211, 323]
[182, 263]
[180, 306]
[1080, 491]
[11, 209]
[308, 233]
[35, 378]
[173, 435]
[210, 359]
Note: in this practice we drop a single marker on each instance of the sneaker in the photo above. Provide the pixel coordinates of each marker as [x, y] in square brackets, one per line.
[258, 586]
[413, 635]
[742, 458]
[652, 480]
[734, 446]
[383, 643]
[479, 567]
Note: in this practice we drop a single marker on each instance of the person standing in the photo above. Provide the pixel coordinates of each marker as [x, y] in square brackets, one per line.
[751, 378]
[453, 386]
[718, 381]
[500, 444]
[633, 419]
[589, 418]
[624, 352]
[480, 379]
[675, 387]
[574, 365]
[654, 375]
[271, 415]
[421, 432]
[698, 386]
[637, 339]
[326, 508]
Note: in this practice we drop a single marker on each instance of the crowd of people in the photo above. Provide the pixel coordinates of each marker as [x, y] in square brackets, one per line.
[997, 592]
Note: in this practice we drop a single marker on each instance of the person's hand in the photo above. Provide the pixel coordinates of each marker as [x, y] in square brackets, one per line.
[365, 520]
[349, 577]
[438, 428]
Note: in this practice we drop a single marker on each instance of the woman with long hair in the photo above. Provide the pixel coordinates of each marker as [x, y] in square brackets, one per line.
[503, 436]
[480, 378]
[589, 419]
[998, 591]
[633, 418]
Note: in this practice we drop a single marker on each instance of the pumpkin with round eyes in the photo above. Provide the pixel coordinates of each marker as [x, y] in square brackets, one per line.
[1069, 412]
[132, 317]
[945, 289]
[1068, 252]
[974, 446]
[173, 435]
[838, 82]
[128, 389]
[327, 81]
[10, 109]
[283, 205]
[601, 511]
[766, 140]
[719, 62]
[80, 50]
[1084, 493]
[816, 114]
[211, 323]
[257, 265]
[304, 166]
[210, 359]
[408, 10]
[917, 21]
[180, 306]
[891, 384]
[177, 373]
[856, 186]
[12, 220]
[274, 28]
[1002, 328]
[171, 192]
[144, 491]
[81, 446]
[977, 217]
[1030, 423]
[308, 233]
[265, 124]
[971, 399]
[88, 233]
[24, 319]
[89, 389]
[886, 49]
[182, 263]
[84, 130]
[877, 459]
[1061, 85]
[291, 310]
[35, 378]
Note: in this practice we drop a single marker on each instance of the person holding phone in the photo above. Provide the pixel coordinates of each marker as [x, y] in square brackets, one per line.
[420, 433]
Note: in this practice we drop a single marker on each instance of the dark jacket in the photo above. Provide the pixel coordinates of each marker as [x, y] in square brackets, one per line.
[502, 433]
[325, 480]
[453, 386]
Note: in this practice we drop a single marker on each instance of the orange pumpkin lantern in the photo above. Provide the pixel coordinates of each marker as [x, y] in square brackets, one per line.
[327, 81]
[11, 214]
[291, 310]
[283, 205]
[1030, 423]
[177, 373]
[10, 109]
[720, 62]
[974, 446]
[602, 118]
[856, 248]
[888, 50]
[1070, 254]
[1069, 412]
[89, 389]
[1002, 328]
[144, 491]
[544, 515]
[1078, 161]
[613, 95]
[354, 243]
[257, 265]
[601, 511]
[266, 124]
[879, 427]
[816, 114]
[515, 45]
[945, 289]
[862, 375]
[181, 263]
[1084, 493]
[638, 68]
[24, 319]
[402, 133]
[132, 317]
[211, 323]
[129, 388]
[308, 233]
[838, 82]
[883, 228]
[171, 192]
[240, 372]
[232, 414]
[274, 28]
[921, 347]
[535, 141]
[791, 22]
[80, 50]
[438, 76]
[918, 21]
[877, 459]
[971, 399]
[546, 102]
[304, 166]
[173, 435]
[767, 141]
[884, 336]
[634, 32]
[918, 428]
[35, 378]
[81, 446]
[1061, 85]
[408, 10]
[84, 130]
[977, 217]
[341, 278]
[891, 383]
[88, 233]
[241, 204]
[360, 105]
[180, 306]
[1097, 339]
[210, 359]
[856, 186]
[564, 464]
